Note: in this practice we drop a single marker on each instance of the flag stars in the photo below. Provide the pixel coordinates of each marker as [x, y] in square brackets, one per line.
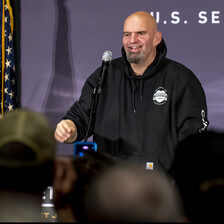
[8, 63]
[10, 107]
[8, 89]
[9, 50]
[10, 37]
[13, 81]
[6, 77]
[11, 94]
[6, 7]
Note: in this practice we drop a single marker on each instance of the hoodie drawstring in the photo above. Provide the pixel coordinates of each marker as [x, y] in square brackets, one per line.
[133, 89]
[141, 89]
[133, 95]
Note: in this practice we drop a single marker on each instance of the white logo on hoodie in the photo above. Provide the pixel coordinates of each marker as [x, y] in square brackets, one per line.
[160, 96]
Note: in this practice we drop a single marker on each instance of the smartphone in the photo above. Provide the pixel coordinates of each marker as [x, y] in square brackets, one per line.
[81, 147]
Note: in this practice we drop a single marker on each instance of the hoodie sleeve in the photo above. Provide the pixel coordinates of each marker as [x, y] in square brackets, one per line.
[80, 110]
[192, 112]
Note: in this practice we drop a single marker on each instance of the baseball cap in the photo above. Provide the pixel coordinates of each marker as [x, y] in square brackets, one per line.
[30, 129]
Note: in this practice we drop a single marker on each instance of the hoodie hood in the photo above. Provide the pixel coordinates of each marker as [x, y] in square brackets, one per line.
[137, 82]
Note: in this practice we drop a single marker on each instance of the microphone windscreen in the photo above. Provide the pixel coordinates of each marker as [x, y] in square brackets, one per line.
[107, 56]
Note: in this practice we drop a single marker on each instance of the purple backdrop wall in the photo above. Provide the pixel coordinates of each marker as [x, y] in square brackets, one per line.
[62, 42]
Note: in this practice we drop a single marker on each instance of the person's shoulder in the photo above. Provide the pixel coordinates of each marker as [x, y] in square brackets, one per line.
[179, 70]
[116, 66]
[178, 73]
[117, 62]
[178, 66]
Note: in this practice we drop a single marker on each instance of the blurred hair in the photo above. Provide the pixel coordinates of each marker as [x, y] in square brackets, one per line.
[128, 193]
[86, 169]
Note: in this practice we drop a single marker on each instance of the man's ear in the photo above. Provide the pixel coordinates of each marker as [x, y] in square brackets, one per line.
[157, 38]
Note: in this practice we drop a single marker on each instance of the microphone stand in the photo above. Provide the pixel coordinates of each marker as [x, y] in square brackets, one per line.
[94, 103]
[107, 56]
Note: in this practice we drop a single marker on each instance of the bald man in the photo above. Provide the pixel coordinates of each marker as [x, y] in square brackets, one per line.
[148, 105]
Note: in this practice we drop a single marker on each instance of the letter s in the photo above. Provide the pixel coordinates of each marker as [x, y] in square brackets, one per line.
[175, 17]
[202, 16]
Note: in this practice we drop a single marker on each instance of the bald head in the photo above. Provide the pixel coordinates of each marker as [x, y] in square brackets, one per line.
[144, 17]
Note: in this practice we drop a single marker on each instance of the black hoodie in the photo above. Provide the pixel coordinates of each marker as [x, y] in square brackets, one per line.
[142, 118]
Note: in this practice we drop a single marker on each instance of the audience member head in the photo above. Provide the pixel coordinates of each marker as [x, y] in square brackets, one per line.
[27, 152]
[129, 193]
[72, 178]
[199, 174]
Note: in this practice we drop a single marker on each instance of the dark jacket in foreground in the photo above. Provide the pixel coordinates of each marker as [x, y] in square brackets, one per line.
[142, 118]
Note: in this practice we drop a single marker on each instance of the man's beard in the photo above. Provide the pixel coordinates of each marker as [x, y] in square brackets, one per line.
[134, 58]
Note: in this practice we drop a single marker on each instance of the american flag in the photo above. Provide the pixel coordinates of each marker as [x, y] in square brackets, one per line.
[7, 65]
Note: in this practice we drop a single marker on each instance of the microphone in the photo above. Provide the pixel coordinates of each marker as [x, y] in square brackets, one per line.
[106, 58]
